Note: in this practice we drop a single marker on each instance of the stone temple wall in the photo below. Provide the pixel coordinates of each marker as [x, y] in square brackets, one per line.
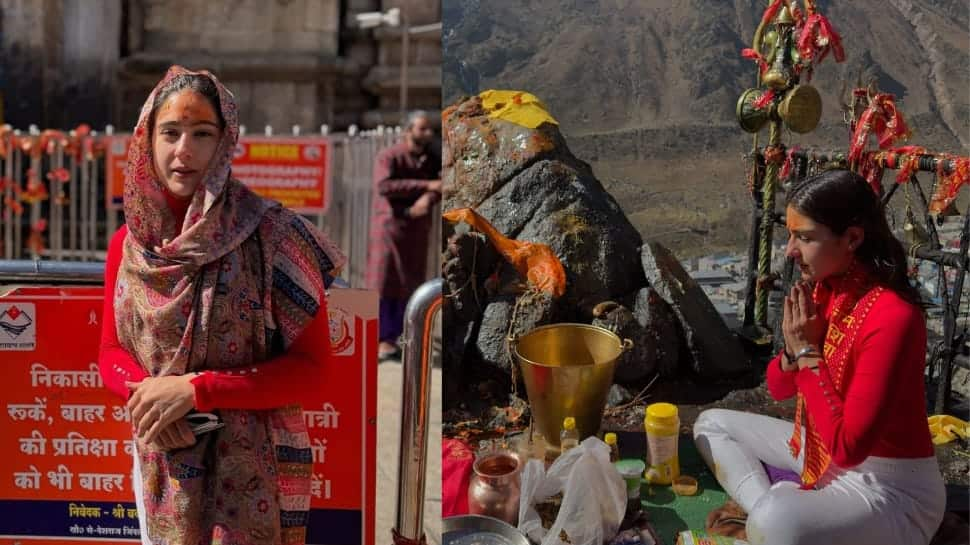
[289, 62]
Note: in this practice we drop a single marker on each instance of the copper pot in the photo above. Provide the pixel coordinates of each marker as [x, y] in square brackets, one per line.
[494, 488]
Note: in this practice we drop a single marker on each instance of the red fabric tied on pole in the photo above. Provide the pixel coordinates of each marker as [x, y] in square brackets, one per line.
[872, 169]
[950, 184]
[789, 164]
[881, 118]
[749, 53]
[764, 100]
[818, 37]
[772, 11]
[456, 473]
[910, 162]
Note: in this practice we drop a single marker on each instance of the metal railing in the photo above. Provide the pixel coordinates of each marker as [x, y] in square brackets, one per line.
[54, 196]
[941, 361]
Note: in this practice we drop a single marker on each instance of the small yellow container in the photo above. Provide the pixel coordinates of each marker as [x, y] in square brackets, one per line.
[663, 429]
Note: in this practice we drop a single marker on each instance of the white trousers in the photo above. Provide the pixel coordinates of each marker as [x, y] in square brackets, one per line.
[882, 501]
[139, 498]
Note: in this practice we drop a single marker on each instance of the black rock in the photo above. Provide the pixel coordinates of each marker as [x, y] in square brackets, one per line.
[531, 188]
[652, 327]
[714, 350]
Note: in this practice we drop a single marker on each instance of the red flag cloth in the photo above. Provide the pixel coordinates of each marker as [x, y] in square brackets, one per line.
[456, 474]
[907, 159]
[764, 100]
[749, 53]
[786, 169]
[871, 168]
[818, 37]
[772, 10]
[881, 118]
[950, 184]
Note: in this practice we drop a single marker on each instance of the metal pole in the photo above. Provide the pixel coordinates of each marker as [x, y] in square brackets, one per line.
[74, 194]
[926, 163]
[35, 163]
[952, 314]
[405, 42]
[767, 230]
[37, 271]
[757, 189]
[415, 406]
[18, 231]
[10, 217]
[93, 210]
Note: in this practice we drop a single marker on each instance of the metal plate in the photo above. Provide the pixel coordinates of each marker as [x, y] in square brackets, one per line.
[479, 530]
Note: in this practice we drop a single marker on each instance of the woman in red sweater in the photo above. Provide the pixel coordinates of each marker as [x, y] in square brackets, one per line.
[855, 350]
[215, 301]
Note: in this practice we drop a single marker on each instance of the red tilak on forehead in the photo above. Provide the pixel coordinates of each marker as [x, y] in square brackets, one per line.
[187, 107]
[797, 222]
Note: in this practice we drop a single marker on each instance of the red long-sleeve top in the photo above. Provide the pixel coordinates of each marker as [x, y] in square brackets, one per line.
[267, 385]
[880, 410]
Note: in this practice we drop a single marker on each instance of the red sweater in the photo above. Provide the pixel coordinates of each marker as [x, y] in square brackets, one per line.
[294, 377]
[881, 410]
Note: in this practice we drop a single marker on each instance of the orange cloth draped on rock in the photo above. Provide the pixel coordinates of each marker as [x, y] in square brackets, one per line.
[535, 261]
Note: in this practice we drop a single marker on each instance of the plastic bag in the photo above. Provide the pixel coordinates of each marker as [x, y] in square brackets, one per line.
[594, 497]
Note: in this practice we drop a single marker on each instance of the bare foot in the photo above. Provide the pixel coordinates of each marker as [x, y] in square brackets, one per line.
[728, 520]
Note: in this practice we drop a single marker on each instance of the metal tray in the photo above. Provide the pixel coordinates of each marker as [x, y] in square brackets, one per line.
[479, 530]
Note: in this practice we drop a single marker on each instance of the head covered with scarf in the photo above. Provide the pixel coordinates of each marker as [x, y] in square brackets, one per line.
[230, 287]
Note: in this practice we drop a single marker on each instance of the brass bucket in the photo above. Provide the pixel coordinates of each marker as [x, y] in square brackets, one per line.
[568, 371]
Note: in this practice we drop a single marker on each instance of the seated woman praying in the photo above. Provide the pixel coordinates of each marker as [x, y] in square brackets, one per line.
[855, 350]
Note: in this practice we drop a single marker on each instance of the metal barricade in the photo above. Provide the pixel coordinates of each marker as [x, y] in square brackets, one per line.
[22, 271]
[54, 186]
[941, 361]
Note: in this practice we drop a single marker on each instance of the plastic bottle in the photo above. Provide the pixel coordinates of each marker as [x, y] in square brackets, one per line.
[569, 437]
[610, 439]
[663, 428]
[538, 446]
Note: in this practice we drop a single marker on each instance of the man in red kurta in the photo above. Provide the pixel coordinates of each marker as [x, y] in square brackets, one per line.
[407, 184]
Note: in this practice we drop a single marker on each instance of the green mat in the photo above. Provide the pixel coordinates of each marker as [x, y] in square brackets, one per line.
[669, 513]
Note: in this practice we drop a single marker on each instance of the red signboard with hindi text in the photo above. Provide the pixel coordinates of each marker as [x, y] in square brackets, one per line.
[66, 442]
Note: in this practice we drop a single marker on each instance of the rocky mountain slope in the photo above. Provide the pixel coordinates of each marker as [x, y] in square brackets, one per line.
[646, 90]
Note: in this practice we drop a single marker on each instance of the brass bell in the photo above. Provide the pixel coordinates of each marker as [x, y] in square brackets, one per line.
[801, 108]
[751, 119]
[784, 16]
[778, 76]
[916, 234]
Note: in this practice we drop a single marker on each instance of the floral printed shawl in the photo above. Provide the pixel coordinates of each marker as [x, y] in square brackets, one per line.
[233, 286]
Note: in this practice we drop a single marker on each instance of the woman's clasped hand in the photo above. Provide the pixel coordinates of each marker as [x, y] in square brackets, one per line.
[158, 406]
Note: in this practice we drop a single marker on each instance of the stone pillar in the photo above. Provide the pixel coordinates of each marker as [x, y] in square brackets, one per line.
[424, 64]
[56, 61]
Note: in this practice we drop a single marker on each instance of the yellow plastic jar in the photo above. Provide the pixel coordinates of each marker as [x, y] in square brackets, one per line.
[663, 429]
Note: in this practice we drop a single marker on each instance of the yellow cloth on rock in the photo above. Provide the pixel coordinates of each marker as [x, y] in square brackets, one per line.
[516, 107]
[945, 428]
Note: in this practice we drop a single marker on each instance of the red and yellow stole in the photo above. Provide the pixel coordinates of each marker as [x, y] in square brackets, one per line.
[854, 298]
